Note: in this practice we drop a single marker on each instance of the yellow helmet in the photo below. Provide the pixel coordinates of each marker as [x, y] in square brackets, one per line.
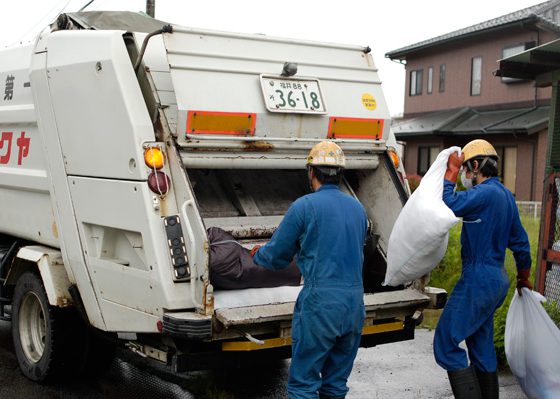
[326, 153]
[479, 148]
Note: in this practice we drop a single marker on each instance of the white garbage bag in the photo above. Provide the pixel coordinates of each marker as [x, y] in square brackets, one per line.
[419, 237]
[532, 343]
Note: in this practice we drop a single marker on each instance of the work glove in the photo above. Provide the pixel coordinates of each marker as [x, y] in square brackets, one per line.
[453, 166]
[523, 280]
[254, 250]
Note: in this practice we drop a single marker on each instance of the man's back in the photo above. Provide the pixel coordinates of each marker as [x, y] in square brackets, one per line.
[332, 241]
[490, 223]
[326, 229]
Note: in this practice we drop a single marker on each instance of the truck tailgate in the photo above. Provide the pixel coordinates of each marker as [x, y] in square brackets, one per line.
[395, 301]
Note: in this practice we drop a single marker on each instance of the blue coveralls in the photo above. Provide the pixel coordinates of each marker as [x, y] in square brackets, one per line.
[327, 230]
[490, 225]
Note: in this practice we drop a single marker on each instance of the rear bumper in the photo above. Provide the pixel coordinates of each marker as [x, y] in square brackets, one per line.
[263, 332]
[241, 353]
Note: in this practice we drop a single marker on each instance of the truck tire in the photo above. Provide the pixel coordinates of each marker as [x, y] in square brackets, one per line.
[48, 341]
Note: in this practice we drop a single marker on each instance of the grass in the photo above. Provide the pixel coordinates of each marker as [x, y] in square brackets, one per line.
[446, 274]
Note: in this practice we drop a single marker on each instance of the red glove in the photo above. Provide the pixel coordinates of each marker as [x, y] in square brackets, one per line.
[254, 250]
[523, 280]
[453, 166]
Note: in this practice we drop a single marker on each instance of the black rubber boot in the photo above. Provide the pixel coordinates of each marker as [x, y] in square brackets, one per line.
[464, 384]
[488, 382]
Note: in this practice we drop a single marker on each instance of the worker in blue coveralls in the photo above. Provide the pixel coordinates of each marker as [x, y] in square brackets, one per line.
[326, 230]
[490, 225]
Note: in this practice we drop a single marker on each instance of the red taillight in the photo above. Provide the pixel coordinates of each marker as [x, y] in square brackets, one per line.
[159, 325]
[159, 183]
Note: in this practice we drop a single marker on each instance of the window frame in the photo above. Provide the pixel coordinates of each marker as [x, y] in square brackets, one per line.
[428, 148]
[418, 75]
[503, 161]
[473, 79]
[430, 82]
[442, 71]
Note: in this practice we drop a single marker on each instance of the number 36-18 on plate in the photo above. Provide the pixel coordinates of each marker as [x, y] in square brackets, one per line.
[292, 95]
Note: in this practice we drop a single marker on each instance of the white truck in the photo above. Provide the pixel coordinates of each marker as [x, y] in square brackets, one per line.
[118, 150]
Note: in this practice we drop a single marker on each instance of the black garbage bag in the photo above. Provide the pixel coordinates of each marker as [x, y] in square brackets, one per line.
[232, 267]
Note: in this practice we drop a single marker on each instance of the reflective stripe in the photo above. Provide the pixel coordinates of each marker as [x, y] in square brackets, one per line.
[239, 346]
[226, 123]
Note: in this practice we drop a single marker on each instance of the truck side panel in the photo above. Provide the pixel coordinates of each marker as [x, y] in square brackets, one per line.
[119, 220]
[103, 133]
[24, 185]
[126, 246]
[69, 241]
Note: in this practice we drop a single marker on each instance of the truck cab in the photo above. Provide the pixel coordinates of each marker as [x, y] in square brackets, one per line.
[125, 140]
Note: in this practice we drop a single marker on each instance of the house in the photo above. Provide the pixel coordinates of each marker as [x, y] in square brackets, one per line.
[453, 96]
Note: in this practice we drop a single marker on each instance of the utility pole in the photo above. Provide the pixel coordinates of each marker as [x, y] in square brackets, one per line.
[151, 8]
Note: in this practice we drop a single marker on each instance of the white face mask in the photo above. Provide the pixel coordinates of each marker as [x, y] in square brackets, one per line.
[465, 181]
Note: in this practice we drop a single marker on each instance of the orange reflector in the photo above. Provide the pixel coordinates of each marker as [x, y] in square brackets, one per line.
[154, 158]
[394, 157]
[230, 123]
[355, 128]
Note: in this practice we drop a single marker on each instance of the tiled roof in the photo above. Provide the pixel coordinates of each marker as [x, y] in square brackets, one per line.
[547, 14]
[468, 121]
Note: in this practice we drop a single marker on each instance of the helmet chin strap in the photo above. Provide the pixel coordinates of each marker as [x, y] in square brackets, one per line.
[475, 172]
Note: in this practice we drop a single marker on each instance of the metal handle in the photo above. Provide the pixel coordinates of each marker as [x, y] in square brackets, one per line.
[192, 250]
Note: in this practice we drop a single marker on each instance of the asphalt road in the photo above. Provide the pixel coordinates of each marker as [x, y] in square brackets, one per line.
[402, 370]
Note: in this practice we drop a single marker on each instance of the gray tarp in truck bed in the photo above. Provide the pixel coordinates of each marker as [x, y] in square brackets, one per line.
[116, 20]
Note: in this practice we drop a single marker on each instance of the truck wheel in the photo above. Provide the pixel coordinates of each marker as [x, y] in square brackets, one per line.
[45, 337]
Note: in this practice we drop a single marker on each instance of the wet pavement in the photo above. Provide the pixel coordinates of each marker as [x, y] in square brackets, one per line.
[407, 370]
[400, 370]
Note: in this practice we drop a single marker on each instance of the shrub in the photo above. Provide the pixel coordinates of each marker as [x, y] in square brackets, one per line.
[446, 274]
[413, 182]
[553, 310]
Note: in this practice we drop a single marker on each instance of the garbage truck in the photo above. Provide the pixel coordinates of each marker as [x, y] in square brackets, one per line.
[123, 139]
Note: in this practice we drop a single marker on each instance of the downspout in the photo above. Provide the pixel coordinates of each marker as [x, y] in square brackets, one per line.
[526, 25]
[534, 171]
[535, 100]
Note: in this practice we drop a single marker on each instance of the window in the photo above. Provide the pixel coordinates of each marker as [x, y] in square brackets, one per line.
[442, 78]
[512, 50]
[416, 82]
[426, 156]
[476, 76]
[507, 166]
[430, 80]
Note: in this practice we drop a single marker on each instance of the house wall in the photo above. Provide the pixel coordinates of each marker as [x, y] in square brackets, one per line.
[495, 94]
[457, 59]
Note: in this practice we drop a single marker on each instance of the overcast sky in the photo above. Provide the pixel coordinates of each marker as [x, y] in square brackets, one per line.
[383, 25]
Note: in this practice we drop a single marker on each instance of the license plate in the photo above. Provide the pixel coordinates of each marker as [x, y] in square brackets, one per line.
[292, 95]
